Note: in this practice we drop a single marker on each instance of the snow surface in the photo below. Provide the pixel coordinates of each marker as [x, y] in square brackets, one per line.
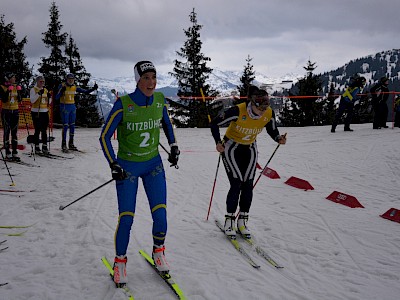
[328, 250]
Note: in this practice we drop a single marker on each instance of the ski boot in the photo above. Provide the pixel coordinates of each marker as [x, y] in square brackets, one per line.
[229, 226]
[120, 278]
[242, 225]
[37, 150]
[15, 156]
[159, 259]
[347, 128]
[71, 145]
[45, 150]
[8, 155]
[64, 146]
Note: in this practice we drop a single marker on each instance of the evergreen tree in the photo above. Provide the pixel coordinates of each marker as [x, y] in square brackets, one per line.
[12, 57]
[330, 106]
[75, 65]
[87, 113]
[192, 74]
[305, 111]
[246, 79]
[53, 67]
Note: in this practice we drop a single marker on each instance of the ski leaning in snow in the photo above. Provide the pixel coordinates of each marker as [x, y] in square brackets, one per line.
[16, 226]
[124, 288]
[260, 251]
[72, 151]
[15, 234]
[49, 155]
[52, 156]
[238, 247]
[1, 243]
[21, 163]
[166, 277]
[16, 191]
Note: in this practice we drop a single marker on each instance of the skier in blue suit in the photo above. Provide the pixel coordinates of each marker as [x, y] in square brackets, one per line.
[138, 117]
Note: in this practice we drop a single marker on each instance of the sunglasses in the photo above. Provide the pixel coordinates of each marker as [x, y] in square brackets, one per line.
[261, 102]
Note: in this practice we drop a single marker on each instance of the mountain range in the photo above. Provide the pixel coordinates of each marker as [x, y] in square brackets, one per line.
[372, 67]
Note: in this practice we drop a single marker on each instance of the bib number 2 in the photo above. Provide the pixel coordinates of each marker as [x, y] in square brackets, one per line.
[146, 137]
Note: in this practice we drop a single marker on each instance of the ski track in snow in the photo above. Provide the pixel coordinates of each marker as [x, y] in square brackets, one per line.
[329, 251]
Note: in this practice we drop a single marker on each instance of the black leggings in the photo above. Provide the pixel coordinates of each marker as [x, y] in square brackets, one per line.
[240, 165]
[10, 119]
[40, 122]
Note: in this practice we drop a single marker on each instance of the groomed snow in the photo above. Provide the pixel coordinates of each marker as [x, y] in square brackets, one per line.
[329, 251]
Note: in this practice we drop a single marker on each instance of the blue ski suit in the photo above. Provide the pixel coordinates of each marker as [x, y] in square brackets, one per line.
[150, 171]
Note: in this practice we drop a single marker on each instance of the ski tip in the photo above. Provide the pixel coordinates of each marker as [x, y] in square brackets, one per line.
[61, 207]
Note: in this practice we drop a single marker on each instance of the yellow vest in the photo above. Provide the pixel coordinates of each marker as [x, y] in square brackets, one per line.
[42, 102]
[12, 103]
[245, 129]
[69, 95]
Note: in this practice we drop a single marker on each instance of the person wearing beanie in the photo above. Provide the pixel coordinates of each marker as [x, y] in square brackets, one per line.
[10, 94]
[138, 117]
[238, 150]
[380, 95]
[40, 99]
[66, 96]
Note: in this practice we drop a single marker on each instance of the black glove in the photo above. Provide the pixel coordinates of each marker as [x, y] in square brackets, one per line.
[95, 87]
[173, 157]
[41, 92]
[63, 89]
[48, 95]
[117, 172]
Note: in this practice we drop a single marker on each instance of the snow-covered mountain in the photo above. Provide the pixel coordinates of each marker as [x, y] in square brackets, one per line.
[372, 67]
[223, 81]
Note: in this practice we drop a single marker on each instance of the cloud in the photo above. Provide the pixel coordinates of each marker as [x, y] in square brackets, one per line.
[280, 36]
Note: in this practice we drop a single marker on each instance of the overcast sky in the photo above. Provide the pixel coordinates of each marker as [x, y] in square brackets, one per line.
[280, 35]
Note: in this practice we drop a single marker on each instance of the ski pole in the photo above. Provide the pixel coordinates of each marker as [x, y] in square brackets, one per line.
[50, 125]
[215, 181]
[115, 93]
[62, 207]
[267, 163]
[176, 166]
[27, 130]
[101, 108]
[8, 170]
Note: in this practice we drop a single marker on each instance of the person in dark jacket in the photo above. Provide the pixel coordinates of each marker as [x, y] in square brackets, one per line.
[380, 95]
[347, 100]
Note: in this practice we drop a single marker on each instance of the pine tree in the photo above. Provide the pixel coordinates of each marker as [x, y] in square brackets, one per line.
[53, 68]
[87, 113]
[305, 111]
[246, 79]
[192, 74]
[12, 57]
[75, 65]
[330, 106]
